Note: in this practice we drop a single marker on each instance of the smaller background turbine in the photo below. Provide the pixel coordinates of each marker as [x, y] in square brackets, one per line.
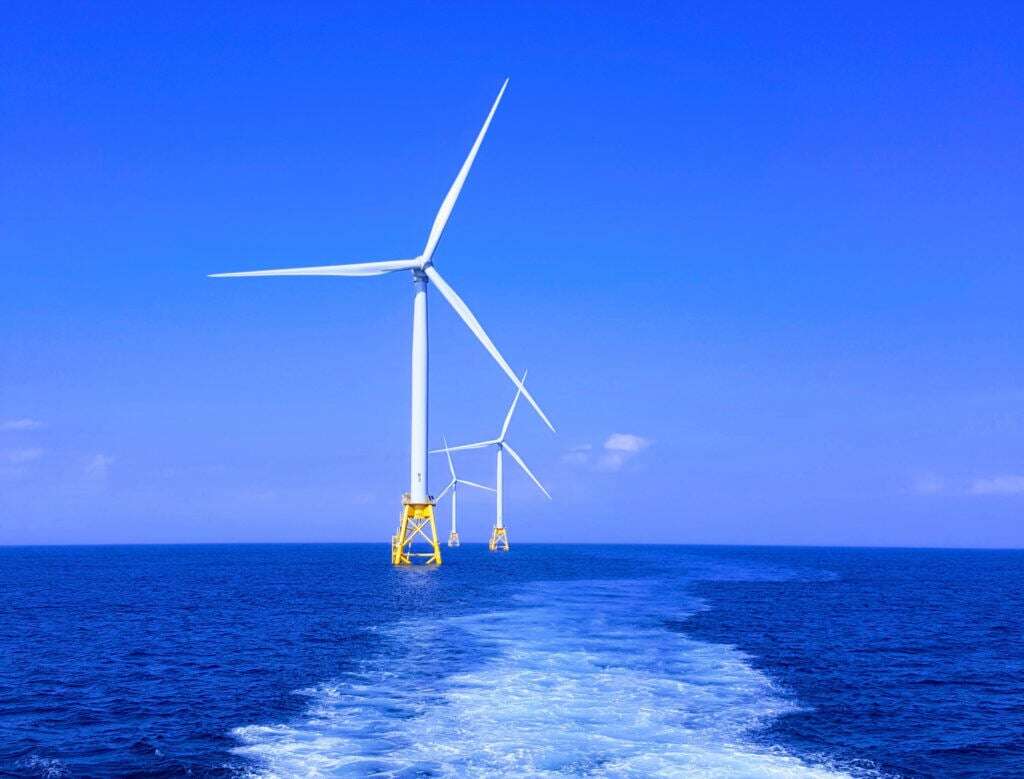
[453, 487]
[499, 536]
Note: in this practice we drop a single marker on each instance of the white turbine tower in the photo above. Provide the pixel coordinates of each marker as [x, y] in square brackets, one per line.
[417, 513]
[453, 485]
[499, 536]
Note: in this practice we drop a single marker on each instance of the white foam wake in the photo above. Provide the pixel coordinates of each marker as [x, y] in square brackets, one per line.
[578, 678]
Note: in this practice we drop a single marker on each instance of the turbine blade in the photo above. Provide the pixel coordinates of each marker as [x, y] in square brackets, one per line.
[445, 490]
[512, 410]
[451, 465]
[477, 445]
[515, 456]
[357, 269]
[445, 211]
[463, 311]
[478, 486]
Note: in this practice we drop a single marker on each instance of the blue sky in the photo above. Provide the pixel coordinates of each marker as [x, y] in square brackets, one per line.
[764, 265]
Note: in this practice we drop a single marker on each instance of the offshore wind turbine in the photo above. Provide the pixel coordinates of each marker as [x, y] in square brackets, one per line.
[417, 518]
[453, 485]
[499, 536]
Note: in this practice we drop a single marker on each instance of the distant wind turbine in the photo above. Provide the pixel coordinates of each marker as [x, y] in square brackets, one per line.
[417, 513]
[499, 536]
[453, 485]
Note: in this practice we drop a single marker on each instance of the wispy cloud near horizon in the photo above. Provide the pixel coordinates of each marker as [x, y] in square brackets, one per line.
[18, 464]
[998, 485]
[97, 467]
[21, 456]
[927, 484]
[1003, 484]
[23, 423]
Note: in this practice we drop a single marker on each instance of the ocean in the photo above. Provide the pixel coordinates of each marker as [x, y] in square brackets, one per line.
[618, 661]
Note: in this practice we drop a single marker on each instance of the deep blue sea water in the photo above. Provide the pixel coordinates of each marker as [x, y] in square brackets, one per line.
[549, 661]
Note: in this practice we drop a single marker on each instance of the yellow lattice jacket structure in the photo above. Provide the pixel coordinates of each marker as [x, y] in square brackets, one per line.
[499, 540]
[417, 521]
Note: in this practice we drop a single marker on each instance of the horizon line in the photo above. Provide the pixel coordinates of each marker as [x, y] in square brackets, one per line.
[705, 545]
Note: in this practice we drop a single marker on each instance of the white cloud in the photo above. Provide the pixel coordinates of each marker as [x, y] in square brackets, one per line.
[998, 485]
[20, 424]
[97, 467]
[21, 456]
[619, 449]
[626, 442]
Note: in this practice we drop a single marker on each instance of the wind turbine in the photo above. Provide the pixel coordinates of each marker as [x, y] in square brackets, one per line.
[499, 536]
[417, 519]
[453, 485]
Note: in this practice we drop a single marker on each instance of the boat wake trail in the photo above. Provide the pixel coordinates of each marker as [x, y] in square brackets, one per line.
[573, 678]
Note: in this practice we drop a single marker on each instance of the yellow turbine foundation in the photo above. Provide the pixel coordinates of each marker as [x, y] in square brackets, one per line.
[499, 540]
[417, 522]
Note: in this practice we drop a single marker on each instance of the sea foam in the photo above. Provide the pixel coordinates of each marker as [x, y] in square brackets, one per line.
[572, 678]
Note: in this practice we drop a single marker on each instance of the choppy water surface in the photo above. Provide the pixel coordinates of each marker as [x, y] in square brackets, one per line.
[549, 661]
